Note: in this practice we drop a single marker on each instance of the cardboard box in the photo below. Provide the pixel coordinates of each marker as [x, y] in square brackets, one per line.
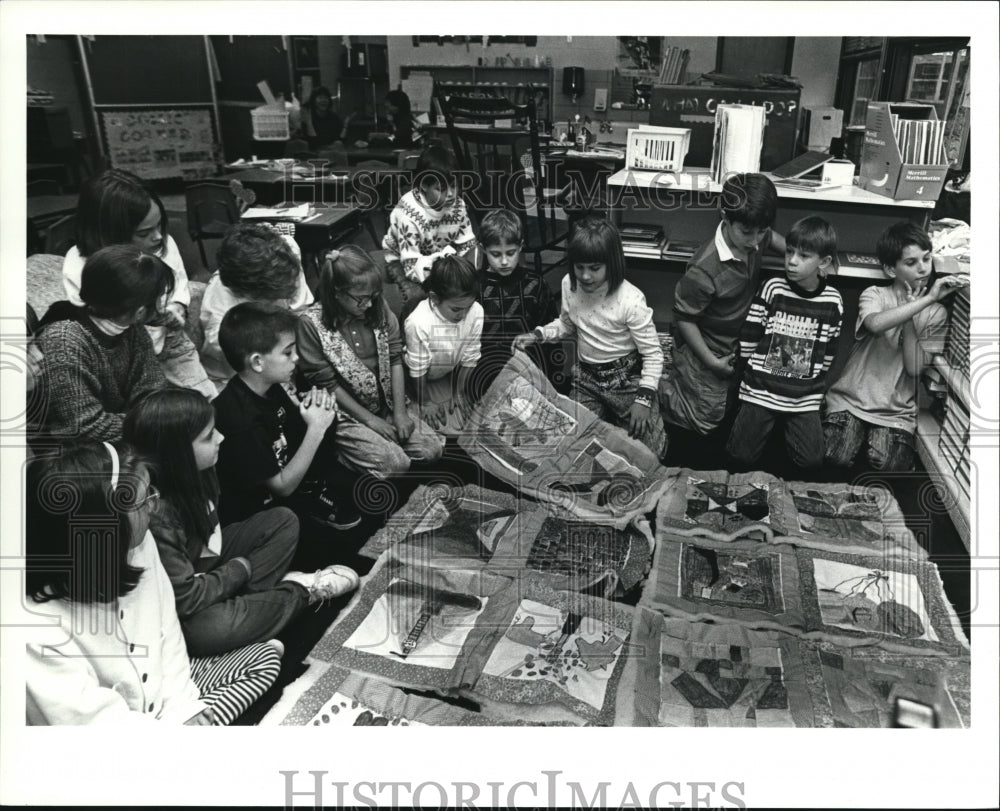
[822, 125]
[883, 170]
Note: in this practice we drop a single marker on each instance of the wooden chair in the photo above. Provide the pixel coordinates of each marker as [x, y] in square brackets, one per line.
[61, 235]
[509, 167]
[211, 211]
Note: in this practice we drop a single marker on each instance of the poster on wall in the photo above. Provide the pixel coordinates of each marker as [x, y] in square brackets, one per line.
[161, 143]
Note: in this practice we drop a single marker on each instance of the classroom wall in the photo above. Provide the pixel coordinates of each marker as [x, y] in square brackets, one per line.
[50, 67]
[815, 61]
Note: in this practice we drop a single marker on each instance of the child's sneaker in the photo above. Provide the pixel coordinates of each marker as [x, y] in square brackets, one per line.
[328, 512]
[325, 584]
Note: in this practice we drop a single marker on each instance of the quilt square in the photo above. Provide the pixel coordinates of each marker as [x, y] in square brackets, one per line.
[899, 604]
[552, 448]
[855, 519]
[745, 582]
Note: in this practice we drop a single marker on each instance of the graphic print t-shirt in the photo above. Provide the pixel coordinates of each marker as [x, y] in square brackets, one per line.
[796, 333]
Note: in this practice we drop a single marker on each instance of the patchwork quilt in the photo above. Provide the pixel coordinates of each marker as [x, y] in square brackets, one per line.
[471, 527]
[551, 448]
[504, 643]
[732, 676]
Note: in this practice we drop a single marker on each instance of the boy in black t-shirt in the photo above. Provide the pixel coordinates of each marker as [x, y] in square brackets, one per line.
[275, 448]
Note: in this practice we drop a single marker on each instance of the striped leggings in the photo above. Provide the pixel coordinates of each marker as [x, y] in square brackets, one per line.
[230, 682]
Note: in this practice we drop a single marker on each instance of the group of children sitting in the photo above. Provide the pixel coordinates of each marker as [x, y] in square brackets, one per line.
[203, 460]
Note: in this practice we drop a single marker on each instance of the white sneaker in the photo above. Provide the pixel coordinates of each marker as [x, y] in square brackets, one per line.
[325, 584]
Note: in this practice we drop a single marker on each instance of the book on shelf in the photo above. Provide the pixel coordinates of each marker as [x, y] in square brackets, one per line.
[858, 260]
[738, 140]
[632, 232]
[680, 249]
[645, 248]
[803, 184]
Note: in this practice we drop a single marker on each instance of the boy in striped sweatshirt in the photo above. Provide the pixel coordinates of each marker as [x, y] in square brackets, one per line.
[790, 338]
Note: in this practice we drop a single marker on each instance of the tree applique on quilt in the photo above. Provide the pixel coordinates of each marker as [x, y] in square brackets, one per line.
[724, 506]
[882, 601]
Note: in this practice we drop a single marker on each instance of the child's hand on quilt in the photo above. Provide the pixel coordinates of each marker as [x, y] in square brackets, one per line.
[638, 419]
[319, 409]
[203, 719]
[723, 367]
[461, 406]
[403, 424]
[434, 415]
[524, 340]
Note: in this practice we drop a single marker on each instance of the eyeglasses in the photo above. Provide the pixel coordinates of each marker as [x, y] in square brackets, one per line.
[152, 496]
[360, 301]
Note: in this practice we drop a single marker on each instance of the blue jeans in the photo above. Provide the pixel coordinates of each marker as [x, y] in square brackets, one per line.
[753, 426]
[886, 448]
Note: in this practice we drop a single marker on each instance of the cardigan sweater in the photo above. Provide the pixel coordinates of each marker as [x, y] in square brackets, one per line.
[123, 662]
[92, 379]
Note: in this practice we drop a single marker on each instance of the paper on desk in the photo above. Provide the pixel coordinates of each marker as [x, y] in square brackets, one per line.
[287, 213]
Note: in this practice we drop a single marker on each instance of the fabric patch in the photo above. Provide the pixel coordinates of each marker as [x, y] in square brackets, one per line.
[722, 506]
[554, 449]
[858, 687]
[745, 582]
[728, 676]
[855, 519]
[898, 605]
[471, 527]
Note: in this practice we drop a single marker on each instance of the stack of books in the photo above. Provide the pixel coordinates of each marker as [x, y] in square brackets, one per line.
[680, 250]
[956, 347]
[953, 444]
[674, 65]
[918, 141]
[738, 140]
[643, 240]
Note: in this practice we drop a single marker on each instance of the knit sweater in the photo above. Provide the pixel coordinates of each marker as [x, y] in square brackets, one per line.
[795, 331]
[92, 379]
[418, 234]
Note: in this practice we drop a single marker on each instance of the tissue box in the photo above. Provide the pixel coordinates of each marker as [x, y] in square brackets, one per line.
[838, 172]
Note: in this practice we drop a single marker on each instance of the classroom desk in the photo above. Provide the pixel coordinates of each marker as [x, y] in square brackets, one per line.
[365, 187]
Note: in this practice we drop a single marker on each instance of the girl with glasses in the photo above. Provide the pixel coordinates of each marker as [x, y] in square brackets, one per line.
[116, 654]
[349, 343]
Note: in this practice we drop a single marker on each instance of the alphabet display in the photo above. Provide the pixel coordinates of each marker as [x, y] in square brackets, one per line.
[161, 143]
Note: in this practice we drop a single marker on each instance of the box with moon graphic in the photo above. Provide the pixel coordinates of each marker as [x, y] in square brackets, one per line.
[903, 155]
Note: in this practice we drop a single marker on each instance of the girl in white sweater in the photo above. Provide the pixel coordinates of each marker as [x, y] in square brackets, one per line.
[115, 654]
[619, 355]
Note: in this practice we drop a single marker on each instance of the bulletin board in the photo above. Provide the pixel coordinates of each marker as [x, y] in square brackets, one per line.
[160, 142]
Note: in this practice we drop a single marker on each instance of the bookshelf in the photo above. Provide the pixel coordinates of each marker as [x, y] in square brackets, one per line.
[514, 83]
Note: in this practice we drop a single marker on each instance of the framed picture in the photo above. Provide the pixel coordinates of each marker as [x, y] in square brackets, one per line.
[305, 52]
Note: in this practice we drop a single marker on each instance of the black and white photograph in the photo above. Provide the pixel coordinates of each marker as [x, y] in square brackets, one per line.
[619, 410]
